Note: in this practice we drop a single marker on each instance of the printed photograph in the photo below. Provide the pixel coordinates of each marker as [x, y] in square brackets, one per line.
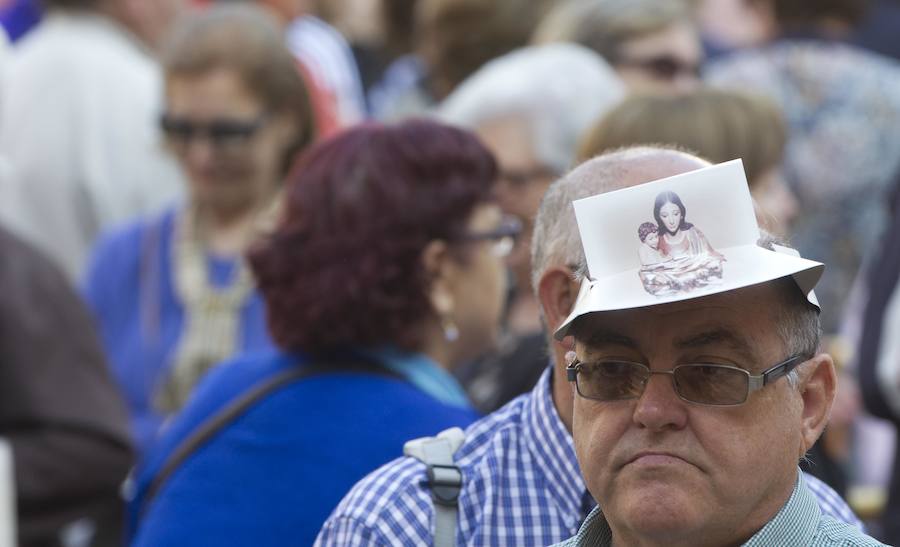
[675, 255]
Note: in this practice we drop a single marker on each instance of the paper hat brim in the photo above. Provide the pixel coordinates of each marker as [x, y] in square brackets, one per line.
[746, 265]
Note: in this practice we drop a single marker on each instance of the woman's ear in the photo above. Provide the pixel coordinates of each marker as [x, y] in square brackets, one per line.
[438, 266]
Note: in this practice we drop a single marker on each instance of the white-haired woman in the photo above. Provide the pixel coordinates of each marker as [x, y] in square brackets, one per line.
[530, 107]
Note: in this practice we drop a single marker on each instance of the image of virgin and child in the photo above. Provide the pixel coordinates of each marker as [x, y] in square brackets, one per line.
[675, 255]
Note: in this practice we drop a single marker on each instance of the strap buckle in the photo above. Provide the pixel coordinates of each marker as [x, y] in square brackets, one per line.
[445, 482]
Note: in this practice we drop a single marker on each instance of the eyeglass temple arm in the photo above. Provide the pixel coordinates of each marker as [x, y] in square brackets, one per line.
[572, 370]
[776, 372]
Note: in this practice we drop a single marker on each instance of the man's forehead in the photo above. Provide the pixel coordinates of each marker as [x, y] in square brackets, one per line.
[744, 317]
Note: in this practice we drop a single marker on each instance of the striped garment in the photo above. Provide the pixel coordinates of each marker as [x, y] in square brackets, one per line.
[800, 522]
[521, 486]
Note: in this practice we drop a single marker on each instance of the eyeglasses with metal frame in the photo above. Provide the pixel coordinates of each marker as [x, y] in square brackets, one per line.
[503, 237]
[698, 383]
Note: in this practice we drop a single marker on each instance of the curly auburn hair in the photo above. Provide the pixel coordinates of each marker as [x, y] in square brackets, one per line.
[343, 267]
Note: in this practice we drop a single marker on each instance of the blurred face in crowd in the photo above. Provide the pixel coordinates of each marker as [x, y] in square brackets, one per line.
[667, 471]
[522, 179]
[229, 145]
[777, 206]
[667, 61]
[479, 283]
[736, 24]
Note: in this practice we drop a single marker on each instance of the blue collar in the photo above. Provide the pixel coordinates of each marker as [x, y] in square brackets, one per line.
[422, 372]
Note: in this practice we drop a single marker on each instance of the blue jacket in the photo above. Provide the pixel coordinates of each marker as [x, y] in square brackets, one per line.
[272, 476]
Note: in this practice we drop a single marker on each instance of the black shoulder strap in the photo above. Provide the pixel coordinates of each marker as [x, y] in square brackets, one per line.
[214, 423]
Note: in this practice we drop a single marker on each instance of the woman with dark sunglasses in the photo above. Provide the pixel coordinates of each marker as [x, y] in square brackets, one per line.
[172, 294]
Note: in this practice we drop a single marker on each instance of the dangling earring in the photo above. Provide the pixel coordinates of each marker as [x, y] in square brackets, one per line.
[451, 333]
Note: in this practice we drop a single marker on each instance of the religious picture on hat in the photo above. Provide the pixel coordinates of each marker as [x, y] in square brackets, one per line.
[675, 255]
[696, 235]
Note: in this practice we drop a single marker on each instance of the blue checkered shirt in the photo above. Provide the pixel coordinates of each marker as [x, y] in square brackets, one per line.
[521, 486]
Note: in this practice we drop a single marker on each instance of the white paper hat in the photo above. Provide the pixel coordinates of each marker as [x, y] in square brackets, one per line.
[677, 238]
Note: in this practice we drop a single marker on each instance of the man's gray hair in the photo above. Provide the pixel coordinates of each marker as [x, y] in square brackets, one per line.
[557, 90]
[797, 321]
[556, 241]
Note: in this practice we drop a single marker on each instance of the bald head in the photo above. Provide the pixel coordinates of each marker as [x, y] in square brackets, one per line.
[556, 241]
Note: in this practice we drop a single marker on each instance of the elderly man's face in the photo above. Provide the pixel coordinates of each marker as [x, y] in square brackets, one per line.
[664, 468]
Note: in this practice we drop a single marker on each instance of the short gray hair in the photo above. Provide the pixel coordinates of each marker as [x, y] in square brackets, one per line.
[558, 90]
[797, 322]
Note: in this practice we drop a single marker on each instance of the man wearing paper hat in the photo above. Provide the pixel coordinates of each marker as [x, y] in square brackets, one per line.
[698, 384]
[520, 479]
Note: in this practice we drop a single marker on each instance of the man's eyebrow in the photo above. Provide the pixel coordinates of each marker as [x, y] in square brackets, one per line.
[718, 336]
[609, 338]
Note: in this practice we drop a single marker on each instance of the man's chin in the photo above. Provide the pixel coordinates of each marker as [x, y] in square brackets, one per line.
[661, 510]
[668, 496]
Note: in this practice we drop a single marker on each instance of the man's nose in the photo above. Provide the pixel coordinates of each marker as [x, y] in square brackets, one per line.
[659, 407]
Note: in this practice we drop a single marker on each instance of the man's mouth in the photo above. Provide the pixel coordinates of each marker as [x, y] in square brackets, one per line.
[656, 459]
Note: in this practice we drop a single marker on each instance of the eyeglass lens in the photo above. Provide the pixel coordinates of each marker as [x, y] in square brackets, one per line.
[221, 133]
[502, 239]
[704, 384]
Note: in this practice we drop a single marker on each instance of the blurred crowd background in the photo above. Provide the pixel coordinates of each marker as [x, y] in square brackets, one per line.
[147, 146]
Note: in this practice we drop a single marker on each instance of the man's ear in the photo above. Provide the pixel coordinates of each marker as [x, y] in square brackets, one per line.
[818, 382]
[439, 268]
[557, 291]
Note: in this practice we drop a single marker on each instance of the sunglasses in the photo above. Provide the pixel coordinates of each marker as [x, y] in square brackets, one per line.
[703, 384]
[503, 237]
[664, 67]
[222, 134]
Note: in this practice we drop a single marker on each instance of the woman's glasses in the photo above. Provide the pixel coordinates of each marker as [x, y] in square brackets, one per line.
[503, 238]
[704, 384]
[224, 135]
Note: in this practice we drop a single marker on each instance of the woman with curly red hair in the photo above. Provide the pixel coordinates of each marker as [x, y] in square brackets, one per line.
[383, 273]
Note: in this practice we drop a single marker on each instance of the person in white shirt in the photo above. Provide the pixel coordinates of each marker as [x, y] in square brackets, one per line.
[79, 102]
